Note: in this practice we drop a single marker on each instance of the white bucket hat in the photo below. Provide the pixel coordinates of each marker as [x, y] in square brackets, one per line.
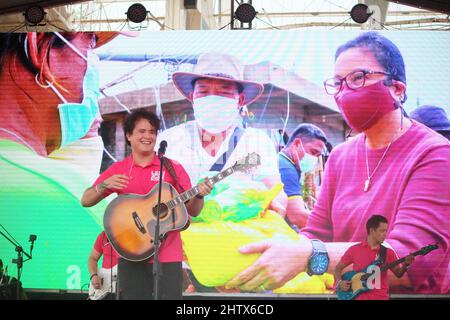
[214, 65]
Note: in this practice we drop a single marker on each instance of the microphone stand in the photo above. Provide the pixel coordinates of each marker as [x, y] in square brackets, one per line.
[20, 253]
[111, 297]
[157, 241]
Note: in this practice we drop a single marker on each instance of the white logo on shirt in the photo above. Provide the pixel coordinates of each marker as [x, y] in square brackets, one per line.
[155, 176]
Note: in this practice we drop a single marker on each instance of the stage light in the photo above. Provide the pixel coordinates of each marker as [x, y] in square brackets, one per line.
[245, 13]
[136, 13]
[360, 13]
[34, 15]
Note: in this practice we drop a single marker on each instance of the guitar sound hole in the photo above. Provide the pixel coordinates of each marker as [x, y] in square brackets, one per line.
[163, 211]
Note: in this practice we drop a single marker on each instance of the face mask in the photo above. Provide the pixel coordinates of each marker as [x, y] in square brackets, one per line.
[77, 118]
[216, 114]
[362, 108]
[308, 162]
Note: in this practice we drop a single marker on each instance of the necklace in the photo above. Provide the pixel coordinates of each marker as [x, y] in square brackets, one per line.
[369, 176]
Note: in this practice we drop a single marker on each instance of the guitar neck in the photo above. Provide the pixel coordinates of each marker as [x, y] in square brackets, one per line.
[401, 260]
[187, 195]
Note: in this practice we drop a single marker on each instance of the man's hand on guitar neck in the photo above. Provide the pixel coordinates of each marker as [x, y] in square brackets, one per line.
[408, 260]
[195, 205]
[205, 188]
[399, 271]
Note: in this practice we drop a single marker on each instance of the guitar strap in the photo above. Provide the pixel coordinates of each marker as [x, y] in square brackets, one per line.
[217, 166]
[234, 139]
[382, 257]
[169, 166]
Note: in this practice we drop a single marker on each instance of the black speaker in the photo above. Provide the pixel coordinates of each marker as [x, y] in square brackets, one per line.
[190, 4]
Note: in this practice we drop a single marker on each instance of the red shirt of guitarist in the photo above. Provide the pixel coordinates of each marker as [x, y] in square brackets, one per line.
[103, 246]
[361, 256]
[142, 180]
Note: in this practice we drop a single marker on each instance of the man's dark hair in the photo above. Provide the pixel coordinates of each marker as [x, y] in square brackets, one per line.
[385, 51]
[307, 132]
[131, 119]
[374, 221]
[13, 42]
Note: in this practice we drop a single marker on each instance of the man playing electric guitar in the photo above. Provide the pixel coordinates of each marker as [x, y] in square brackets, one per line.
[138, 174]
[103, 279]
[366, 253]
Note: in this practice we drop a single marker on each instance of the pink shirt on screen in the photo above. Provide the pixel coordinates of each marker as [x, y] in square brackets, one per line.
[362, 255]
[142, 180]
[103, 246]
[411, 188]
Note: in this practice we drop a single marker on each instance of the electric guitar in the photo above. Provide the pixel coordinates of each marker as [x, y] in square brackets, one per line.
[359, 278]
[105, 281]
[130, 219]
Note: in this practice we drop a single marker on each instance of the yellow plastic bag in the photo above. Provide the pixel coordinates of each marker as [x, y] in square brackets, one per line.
[212, 250]
[303, 283]
[211, 246]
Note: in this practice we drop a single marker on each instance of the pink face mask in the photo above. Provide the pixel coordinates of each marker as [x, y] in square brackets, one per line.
[362, 108]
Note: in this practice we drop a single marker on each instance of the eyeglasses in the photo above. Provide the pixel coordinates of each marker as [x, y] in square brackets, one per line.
[354, 80]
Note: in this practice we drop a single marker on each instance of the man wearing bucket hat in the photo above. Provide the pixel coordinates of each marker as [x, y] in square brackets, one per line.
[216, 139]
[49, 146]
[434, 118]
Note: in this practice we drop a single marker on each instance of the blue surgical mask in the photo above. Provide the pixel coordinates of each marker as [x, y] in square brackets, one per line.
[308, 163]
[77, 118]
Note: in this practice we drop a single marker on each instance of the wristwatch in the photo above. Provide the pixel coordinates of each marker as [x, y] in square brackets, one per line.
[319, 260]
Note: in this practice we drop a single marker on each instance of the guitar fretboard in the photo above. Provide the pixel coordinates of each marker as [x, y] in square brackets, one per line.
[423, 251]
[185, 196]
[393, 264]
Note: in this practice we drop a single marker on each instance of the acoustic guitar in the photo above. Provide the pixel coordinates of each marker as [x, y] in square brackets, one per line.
[359, 278]
[130, 219]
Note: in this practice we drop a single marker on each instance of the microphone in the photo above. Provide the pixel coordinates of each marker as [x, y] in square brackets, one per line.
[32, 239]
[162, 148]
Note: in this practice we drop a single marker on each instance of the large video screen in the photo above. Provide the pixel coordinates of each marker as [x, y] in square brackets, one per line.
[64, 98]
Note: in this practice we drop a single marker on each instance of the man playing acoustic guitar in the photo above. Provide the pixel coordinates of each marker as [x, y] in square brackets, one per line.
[138, 174]
[365, 253]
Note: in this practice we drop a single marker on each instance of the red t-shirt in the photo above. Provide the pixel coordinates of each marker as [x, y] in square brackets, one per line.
[361, 256]
[142, 180]
[103, 246]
